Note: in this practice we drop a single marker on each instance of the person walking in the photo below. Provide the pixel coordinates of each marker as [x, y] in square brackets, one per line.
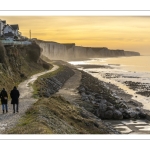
[4, 100]
[14, 94]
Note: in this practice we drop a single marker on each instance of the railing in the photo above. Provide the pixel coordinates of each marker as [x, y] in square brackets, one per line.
[9, 42]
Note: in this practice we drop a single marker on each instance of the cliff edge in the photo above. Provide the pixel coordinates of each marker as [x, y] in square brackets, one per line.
[69, 51]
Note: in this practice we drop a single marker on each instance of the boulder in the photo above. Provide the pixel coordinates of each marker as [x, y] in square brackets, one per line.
[133, 114]
[142, 114]
[93, 102]
[117, 114]
[82, 89]
[121, 110]
[102, 107]
[102, 115]
[103, 101]
[138, 109]
[97, 100]
[85, 98]
[98, 96]
[126, 115]
[90, 97]
[97, 112]
[110, 108]
[130, 113]
[123, 105]
[109, 104]
[83, 94]
[108, 114]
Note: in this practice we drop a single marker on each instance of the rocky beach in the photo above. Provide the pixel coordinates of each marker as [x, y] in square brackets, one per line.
[115, 101]
[108, 101]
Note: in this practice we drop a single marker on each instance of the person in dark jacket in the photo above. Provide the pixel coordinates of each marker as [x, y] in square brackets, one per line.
[14, 94]
[4, 100]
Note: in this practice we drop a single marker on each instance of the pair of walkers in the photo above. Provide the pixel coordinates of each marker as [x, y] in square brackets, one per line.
[14, 94]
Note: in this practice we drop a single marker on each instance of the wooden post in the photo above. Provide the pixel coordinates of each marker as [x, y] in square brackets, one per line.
[30, 33]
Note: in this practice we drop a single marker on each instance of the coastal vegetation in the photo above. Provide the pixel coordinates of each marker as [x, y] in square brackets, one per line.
[54, 114]
[18, 63]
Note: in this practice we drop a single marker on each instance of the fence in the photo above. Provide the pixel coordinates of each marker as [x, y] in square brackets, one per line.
[9, 42]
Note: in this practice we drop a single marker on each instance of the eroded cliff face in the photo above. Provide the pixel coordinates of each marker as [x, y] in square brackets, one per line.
[58, 51]
[19, 62]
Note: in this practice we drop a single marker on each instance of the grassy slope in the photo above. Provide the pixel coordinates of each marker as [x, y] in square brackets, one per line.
[55, 115]
[17, 64]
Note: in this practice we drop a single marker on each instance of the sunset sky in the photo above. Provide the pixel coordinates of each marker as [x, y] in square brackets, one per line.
[127, 33]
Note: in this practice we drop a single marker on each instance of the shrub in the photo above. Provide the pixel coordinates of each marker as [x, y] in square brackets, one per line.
[2, 55]
[33, 52]
[46, 66]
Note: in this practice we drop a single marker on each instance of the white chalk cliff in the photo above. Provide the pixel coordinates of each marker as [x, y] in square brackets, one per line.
[69, 51]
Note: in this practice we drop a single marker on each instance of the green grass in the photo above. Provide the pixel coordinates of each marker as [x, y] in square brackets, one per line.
[36, 86]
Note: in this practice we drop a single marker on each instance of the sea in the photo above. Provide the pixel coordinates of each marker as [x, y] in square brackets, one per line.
[131, 74]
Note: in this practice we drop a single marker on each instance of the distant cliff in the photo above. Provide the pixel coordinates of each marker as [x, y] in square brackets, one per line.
[69, 51]
[130, 53]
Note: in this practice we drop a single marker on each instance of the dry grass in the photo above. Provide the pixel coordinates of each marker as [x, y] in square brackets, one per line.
[55, 115]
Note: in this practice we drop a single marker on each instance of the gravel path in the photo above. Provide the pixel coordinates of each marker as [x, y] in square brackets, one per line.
[70, 92]
[9, 120]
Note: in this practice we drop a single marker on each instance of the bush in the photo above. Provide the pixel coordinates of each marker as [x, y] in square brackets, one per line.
[33, 52]
[46, 66]
[2, 55]
[22, 75]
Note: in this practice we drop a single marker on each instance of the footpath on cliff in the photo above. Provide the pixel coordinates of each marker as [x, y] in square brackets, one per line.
[57, 110]
[69, 92]
[9, 120]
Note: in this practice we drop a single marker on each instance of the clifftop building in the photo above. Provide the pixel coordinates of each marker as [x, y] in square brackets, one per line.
[9, 32]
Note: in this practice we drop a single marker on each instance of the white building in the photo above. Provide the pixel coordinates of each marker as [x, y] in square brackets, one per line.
[11, 32]
[15, 27]
[8, 32]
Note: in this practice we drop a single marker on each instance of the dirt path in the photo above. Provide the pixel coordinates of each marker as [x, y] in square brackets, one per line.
[70, 93]
[69, 90]
[10, 119]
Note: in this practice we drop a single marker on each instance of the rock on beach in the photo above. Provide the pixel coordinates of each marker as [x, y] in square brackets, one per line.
[106, 104]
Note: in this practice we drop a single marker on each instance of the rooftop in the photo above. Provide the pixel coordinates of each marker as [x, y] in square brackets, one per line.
[15, 26]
